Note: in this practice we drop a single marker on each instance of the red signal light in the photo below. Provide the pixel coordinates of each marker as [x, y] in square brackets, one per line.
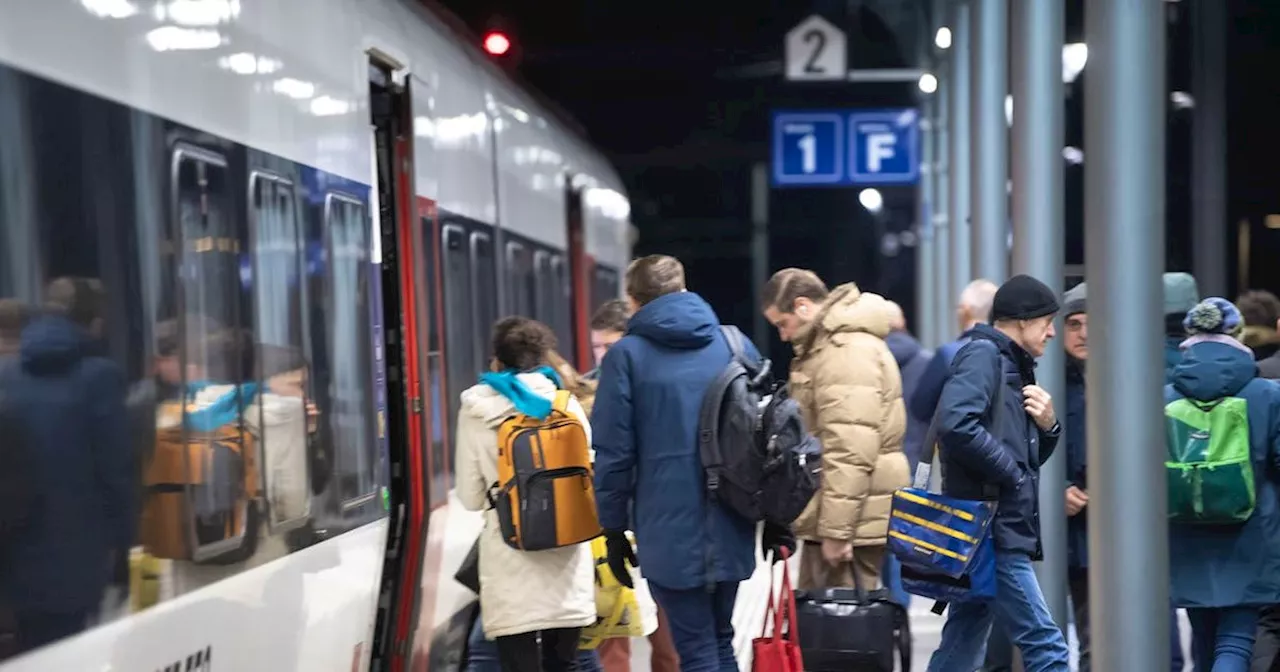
[497, 44]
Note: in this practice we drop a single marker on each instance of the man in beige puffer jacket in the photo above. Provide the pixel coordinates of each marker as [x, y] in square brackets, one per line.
[850, 391]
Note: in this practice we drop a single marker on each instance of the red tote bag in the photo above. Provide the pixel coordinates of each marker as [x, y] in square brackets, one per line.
[779, 652]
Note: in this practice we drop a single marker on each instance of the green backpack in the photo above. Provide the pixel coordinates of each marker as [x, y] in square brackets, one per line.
[1208, 467]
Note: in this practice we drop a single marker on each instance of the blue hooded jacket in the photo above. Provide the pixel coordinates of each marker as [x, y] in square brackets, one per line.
[71, 407]
[645, 434]
[1224, 566]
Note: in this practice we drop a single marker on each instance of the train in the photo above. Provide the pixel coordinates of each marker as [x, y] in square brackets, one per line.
[350, 181]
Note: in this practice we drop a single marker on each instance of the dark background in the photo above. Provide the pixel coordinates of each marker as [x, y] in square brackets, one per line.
[678, 95]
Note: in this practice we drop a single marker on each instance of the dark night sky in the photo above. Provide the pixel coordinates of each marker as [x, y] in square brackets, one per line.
[646, 81]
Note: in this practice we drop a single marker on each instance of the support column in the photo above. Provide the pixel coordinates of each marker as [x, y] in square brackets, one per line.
[958, 159]
[759, 247]
[1209, 228]
[926, 203]
[1038, 239]
[1124, 130]
[989, 149]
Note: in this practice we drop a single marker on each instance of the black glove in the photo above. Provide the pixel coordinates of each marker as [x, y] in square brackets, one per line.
[620, 553]
[775, 538]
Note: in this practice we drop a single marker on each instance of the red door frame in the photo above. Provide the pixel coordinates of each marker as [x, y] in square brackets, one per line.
[402, 157]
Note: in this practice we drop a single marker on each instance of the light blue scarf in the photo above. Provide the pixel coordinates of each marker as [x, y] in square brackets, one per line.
[525, 400]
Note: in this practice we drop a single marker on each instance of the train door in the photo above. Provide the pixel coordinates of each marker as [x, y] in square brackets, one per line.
[391, 119]
[581, 268]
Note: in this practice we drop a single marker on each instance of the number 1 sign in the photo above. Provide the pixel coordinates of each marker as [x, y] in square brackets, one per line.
[808, 148]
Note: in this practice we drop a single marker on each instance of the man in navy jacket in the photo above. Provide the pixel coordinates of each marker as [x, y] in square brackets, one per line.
[648, 467]
[996, 427]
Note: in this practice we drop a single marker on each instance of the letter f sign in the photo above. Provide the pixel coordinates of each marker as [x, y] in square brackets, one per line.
[879, 146]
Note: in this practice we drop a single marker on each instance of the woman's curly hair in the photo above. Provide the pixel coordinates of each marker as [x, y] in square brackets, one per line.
[521, 343]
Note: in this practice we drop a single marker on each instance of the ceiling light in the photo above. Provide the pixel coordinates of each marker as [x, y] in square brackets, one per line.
[928, 83]
[943, 38]
[173, 38]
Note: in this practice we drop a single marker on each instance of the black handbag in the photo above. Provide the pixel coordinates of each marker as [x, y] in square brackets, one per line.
[468, 573]
[848, 630]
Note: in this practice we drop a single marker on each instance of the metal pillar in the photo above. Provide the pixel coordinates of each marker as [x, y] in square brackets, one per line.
[1209, 229]
[958, 159]
[1124, 132]
[1038, 238]
[925, 205]
[989, 150]
[759, 246]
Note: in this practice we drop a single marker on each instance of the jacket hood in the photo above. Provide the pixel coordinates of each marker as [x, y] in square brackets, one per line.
[52, 345]
[1211, 371]
[847, 310]
[681, 320]
[492, 407]
[904, 347]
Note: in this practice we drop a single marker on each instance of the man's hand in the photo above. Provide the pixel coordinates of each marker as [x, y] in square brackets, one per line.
[835, 551]
[1039, 406]
[1076, 500]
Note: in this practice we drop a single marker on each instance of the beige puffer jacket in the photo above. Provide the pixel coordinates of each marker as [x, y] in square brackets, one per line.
[850, 391]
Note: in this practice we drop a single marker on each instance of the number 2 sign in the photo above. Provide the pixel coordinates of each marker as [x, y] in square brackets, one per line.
[816, 50]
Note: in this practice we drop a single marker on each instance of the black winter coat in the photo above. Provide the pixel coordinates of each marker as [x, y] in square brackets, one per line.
[991, 455]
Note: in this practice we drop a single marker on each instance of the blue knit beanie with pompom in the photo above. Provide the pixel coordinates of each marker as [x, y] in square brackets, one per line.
[1213, 315]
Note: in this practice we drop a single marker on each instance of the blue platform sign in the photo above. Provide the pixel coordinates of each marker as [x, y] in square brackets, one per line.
[842, 147]
[808, 148]
[883, 147]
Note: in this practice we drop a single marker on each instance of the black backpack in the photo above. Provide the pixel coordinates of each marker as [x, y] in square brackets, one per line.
[760, 463]
[793, 460]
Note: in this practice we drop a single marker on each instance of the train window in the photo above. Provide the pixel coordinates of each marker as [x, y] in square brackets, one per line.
[281, 412]
[433, 383]
[604, 286]
[486, 297]
[554, 292]
[202, 444]
[461, 342]
[351, 350]
[523, 287]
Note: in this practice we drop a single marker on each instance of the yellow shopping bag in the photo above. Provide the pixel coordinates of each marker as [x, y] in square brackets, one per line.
[617, 608]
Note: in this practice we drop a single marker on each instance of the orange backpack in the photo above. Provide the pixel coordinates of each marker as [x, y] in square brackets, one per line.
[544, 496]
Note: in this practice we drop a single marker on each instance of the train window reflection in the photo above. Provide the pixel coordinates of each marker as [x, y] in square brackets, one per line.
[458, 319]
[483, 281]
[282, 414]
[350, 349]
[202, 477]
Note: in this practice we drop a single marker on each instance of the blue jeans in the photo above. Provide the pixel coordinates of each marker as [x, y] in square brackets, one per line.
[1020, 606]
[701, 625]
[1222, 639]
[482, 654]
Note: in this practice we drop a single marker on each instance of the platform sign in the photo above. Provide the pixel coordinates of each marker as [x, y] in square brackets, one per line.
[808, 148]
[816, 50]
[883, 147]
[841, 147]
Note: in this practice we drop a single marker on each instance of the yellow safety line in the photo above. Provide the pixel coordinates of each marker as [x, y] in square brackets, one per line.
[928, 546]
[916, 499]
[941, 529]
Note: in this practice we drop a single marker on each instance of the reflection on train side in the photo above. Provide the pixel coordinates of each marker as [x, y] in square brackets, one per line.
[186, 362]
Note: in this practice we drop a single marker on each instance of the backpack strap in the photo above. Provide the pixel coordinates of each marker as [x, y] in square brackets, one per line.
[561, 401]
[733, 338]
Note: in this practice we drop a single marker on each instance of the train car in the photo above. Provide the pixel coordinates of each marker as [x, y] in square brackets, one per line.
[315, 209]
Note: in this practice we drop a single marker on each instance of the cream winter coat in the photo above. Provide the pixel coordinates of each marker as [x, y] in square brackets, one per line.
[520, 591]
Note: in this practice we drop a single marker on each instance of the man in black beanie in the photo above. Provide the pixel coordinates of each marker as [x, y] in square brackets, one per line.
[995, 428]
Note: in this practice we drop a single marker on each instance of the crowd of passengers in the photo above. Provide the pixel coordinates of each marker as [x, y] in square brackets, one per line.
[868, 391]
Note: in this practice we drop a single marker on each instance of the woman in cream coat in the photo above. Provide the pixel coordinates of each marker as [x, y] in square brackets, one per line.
[523, 594]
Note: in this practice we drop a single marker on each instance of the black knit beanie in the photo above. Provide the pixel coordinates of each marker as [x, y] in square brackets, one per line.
[1023, 297]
